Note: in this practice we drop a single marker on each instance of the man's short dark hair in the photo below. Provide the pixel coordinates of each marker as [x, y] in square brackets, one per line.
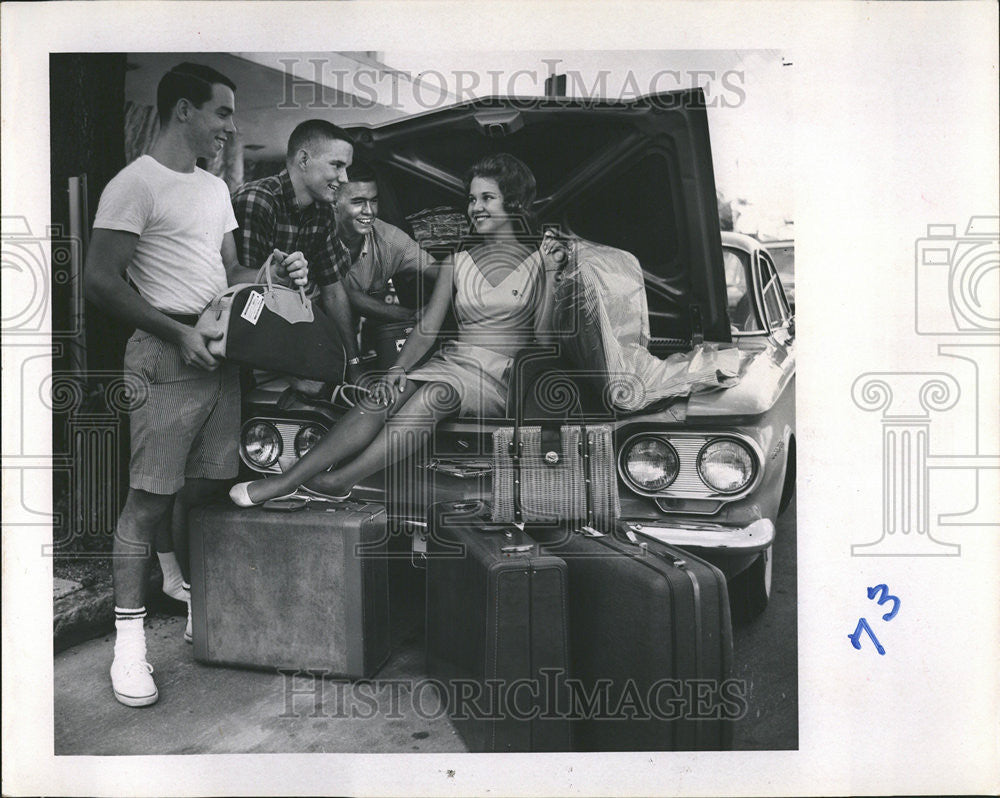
[187, 81]
[361, 172]
[314, 130]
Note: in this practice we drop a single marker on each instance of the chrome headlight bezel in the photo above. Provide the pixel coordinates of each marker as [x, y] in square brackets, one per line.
[265, 427]
[689, 486]
[671, 464]
[749, 467]
[307, 429]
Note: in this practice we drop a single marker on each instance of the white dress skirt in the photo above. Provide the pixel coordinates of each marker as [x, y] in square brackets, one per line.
[479, 374]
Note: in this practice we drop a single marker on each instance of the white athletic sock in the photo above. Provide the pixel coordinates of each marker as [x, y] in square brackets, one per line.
[188, 627]
[130, 637]
[173, 582]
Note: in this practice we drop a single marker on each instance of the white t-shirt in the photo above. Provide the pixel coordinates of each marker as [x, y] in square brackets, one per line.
[181, 219]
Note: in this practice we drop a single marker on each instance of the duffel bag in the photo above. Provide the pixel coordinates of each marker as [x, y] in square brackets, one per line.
[272, 327]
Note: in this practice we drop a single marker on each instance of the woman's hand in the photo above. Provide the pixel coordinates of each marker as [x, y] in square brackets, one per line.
[390, 386]
[554, 251]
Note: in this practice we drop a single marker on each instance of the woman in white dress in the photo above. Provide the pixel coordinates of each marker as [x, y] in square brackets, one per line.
[502, 292]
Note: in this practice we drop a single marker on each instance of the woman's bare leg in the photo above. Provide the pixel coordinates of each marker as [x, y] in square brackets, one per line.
[350, 435]
[400, 437]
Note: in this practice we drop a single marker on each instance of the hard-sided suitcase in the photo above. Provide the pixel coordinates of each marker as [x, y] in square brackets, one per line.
[651, 644]
[496, 631]
[305, 589]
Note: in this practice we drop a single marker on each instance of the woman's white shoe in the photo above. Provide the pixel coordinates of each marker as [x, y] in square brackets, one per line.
[240, 495]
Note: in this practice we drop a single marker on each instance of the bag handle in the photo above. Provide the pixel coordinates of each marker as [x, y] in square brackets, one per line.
[340, 392]
[265, 272]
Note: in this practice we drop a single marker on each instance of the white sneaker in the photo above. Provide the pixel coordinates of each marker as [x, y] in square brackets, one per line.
[176, 592]
[132, 681]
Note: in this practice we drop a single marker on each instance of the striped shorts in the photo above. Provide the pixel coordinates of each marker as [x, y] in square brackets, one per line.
[186, 423]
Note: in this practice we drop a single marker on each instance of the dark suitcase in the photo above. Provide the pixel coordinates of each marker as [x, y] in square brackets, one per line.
[496, 631]
[306, 589]
[651, 644]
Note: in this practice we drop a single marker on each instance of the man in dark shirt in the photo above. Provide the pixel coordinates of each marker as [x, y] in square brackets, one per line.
[293, 212]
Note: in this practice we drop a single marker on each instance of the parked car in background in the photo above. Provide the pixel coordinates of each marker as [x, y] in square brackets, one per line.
[709, 472]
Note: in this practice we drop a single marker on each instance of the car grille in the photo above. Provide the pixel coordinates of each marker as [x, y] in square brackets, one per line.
[688, 483]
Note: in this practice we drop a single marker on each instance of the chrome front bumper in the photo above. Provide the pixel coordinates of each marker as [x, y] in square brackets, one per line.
[716, 538]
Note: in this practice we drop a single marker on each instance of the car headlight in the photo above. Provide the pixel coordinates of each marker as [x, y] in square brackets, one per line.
[651, 464]
[306, 438]
[261, 443]
[726, 466]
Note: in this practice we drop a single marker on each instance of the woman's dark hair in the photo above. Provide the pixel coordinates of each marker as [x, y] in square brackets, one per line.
[187, 81]
[515, 180]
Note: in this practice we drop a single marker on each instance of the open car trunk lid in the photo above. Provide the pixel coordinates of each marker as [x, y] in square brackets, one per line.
[633, 175]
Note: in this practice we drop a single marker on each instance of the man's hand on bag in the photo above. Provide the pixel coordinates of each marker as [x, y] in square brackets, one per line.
[292, 267]
[194, 348]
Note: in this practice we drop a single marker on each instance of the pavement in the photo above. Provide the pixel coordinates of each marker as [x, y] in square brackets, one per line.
[207, 709]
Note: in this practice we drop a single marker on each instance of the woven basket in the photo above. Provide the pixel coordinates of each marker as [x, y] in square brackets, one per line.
[556, 492]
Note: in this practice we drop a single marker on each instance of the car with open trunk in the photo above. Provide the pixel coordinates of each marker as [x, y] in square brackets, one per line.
[710, 471]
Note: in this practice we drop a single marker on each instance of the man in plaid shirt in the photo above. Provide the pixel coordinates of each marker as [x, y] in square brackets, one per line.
[292, 212]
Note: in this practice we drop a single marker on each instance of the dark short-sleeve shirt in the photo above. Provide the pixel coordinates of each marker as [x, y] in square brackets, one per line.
[270, 218]
[386, 251]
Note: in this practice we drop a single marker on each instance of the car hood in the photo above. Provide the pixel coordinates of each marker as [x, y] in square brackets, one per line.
[635, 175]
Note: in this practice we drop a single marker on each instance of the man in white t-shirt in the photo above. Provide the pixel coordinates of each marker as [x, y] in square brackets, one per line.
[166, 225]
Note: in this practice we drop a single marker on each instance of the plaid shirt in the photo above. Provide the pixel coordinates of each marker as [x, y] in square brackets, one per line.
[269, 218]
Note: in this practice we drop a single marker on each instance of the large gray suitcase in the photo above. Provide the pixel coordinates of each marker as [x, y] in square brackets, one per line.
[306, 589]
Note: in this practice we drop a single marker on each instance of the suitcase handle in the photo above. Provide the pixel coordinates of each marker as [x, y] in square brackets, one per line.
[663, 555]
[519, 549]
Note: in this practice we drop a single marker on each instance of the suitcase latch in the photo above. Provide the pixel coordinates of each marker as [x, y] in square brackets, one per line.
[519, 549]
